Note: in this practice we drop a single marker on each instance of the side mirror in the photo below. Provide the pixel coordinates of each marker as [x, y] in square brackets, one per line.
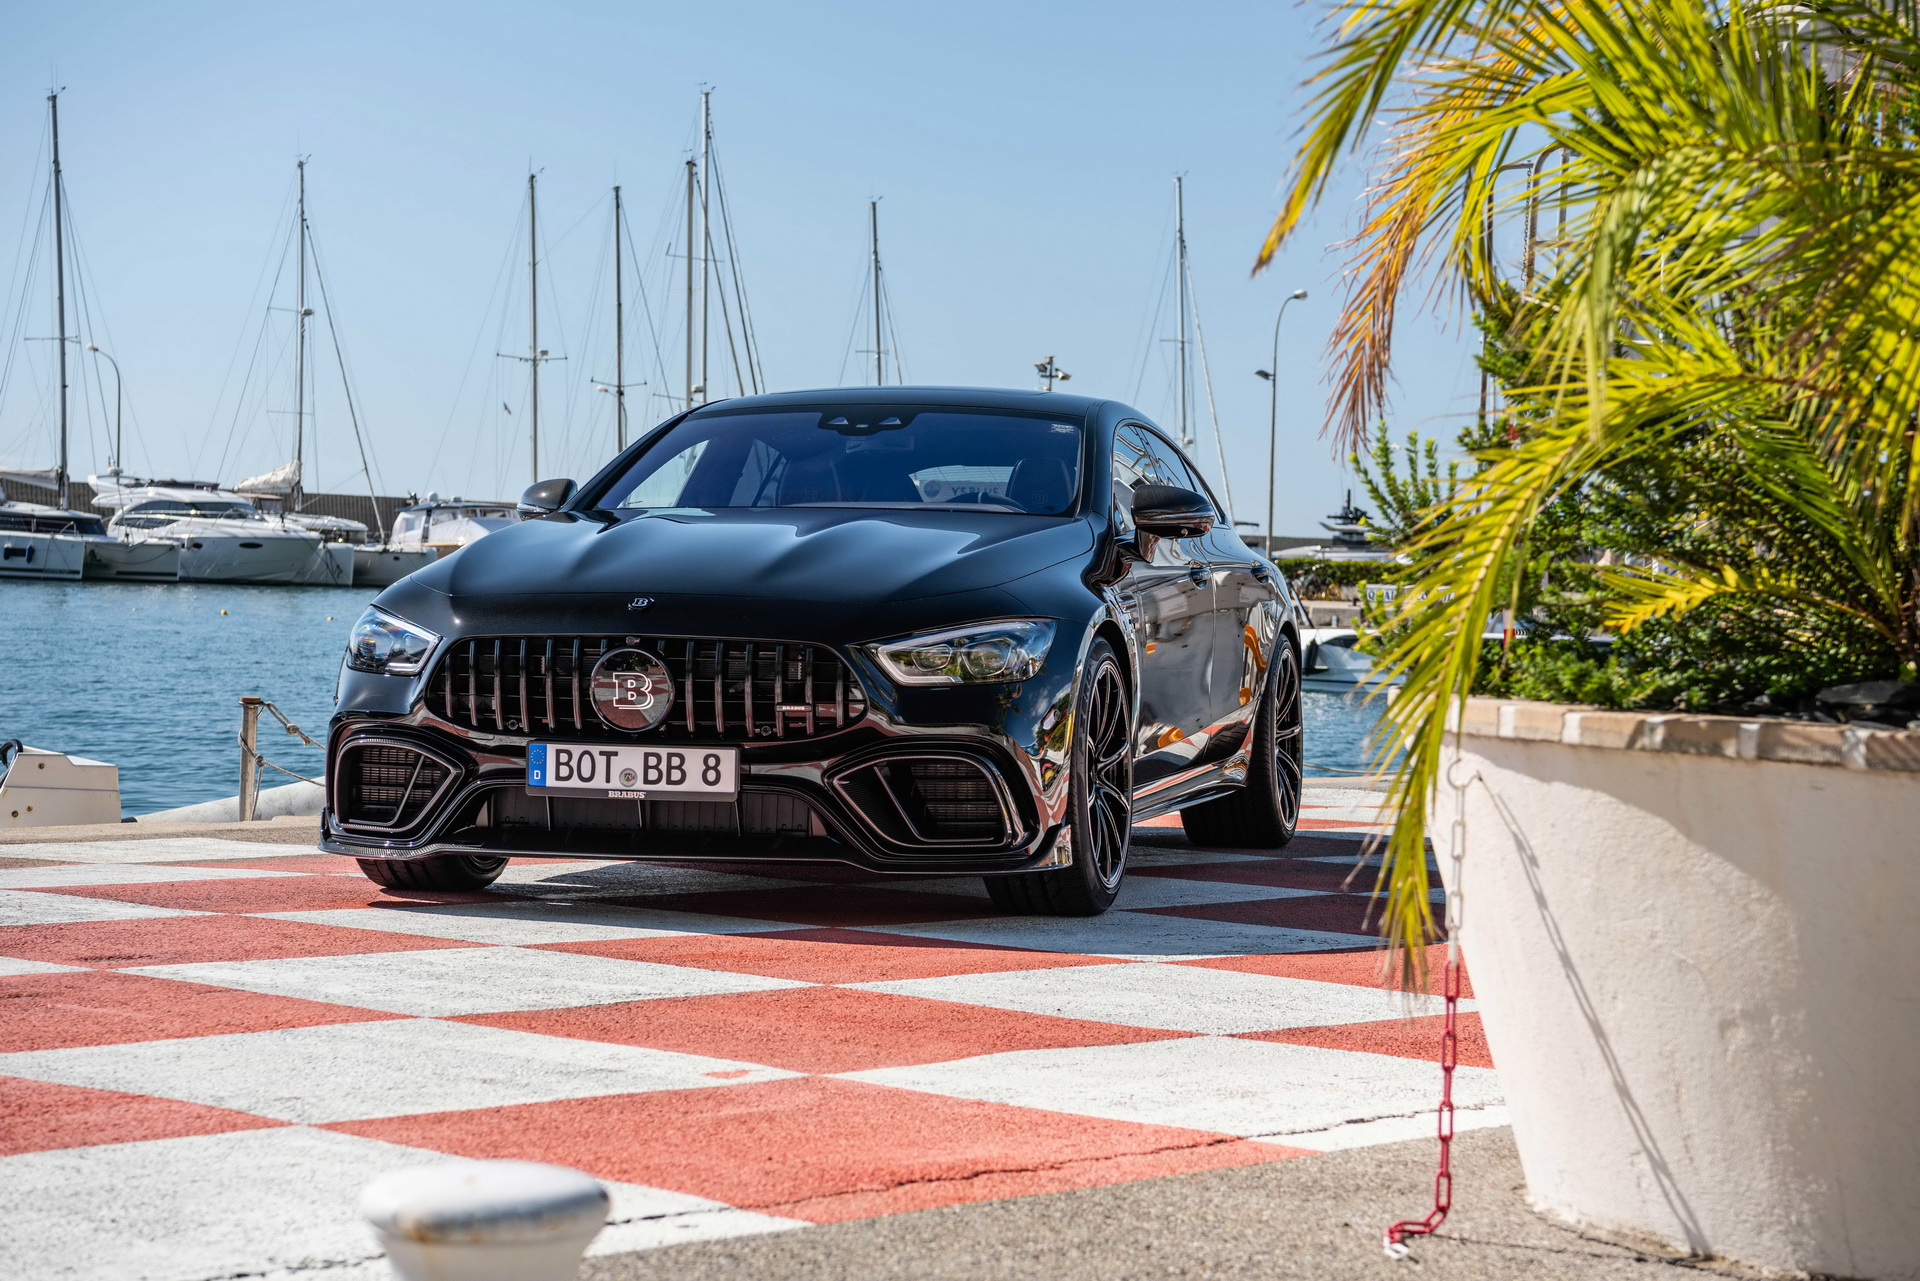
[1171, 512]
[547, 496]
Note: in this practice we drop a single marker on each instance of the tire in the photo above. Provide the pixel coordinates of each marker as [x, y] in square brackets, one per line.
[1099, 804]
[441, 872]
[1264, 813]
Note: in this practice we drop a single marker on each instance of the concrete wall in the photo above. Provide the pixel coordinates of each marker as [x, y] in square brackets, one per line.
[1697, 971]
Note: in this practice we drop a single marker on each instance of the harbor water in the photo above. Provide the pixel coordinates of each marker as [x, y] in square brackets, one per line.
[149, 678]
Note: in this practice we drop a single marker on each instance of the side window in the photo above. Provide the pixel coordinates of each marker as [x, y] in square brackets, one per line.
[1133, 466]
[1173, 465]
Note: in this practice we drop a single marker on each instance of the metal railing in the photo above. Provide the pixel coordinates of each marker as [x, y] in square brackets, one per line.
[251, 760]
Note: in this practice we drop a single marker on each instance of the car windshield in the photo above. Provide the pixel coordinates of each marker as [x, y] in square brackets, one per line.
[859, 456]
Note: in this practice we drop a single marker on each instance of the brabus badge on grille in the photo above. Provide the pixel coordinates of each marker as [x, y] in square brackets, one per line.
[640, 602]
[631, 689]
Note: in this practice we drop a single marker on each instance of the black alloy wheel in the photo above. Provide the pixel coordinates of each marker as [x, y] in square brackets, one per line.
[1099, 804]
[1264, 813]
[441, 872]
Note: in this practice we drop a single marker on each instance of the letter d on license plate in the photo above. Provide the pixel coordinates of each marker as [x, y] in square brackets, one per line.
[633, 773]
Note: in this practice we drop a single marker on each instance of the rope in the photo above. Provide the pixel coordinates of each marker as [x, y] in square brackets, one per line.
[292, 729]
[1396, 1236]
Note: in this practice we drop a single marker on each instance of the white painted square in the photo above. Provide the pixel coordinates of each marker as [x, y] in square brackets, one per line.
[216, 1205]
[644, 1218]
[525, 924]
[24, 878]
[1136, 892]
[1153, 854]
[1132, 936]
[1180, 998]
[35, 907]
[165, 849]
[13, 965]
[1221, 1084]
[464, 980]
[1391, 1129]
[355, 1071]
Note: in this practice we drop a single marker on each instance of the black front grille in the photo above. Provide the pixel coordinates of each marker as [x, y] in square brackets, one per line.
[931, 800]
[386, 786]
[724, 690]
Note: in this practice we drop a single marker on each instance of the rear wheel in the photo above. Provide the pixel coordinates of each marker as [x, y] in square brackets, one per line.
[441, 872]
[1263, 813]
[1099, 805]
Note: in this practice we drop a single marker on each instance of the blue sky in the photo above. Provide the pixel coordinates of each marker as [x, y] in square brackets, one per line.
[1023, 155]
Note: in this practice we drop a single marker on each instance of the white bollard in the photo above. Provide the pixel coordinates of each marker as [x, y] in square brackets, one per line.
[485, 1220]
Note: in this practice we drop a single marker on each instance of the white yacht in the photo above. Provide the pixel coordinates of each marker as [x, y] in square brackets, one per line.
[448, 524]
[222, 537]
[45, 542]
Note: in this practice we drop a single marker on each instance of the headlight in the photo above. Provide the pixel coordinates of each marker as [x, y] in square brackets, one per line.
[982, 654]
[391, 646]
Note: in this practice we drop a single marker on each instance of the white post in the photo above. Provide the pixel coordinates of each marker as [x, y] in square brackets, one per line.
[485, 1220]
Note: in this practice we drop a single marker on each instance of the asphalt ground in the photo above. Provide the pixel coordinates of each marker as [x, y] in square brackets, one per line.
[1319, 1218]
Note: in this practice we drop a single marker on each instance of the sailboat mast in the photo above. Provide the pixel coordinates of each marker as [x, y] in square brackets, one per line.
[873, 236]
[533, 321]
[295, 494]
[691, 193]
[1180, 270]
[706, 228]
[619, 338]
[60, 285]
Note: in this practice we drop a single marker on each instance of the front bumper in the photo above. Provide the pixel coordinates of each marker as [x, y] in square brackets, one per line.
[827, 798]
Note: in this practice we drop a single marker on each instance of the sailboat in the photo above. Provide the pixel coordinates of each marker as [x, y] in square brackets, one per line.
[347, 555]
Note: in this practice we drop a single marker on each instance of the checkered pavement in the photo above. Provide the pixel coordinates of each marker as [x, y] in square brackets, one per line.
[208, 1047]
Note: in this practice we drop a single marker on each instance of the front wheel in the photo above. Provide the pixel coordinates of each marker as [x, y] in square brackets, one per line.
[441, 872]
[1099, 805]
[1264, 813]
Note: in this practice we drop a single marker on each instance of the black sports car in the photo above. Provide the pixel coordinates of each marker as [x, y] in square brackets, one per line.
[919, 630]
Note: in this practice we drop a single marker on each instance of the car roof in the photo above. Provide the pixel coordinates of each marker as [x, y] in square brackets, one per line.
[970, 397]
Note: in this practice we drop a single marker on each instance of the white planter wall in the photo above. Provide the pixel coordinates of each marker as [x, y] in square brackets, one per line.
[1698, 965]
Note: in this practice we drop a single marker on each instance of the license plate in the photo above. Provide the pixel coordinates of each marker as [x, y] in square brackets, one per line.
[633, 773]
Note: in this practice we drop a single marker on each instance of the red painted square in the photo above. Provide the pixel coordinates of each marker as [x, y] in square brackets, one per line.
[820, 905]
[268, 894]
[321, 864]
[1415, 1038]
[1281, 873]
[105, 1007]
[1361, 968]
[827, 955]
[819, 1029]
[1336, 824]
[1333, 913]
[821, 1149]
[179, 940]
[36, 1116]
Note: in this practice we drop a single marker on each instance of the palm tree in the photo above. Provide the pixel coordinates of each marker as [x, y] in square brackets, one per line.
[1739, 190]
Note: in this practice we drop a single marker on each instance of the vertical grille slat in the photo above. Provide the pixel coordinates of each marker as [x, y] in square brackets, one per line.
[730, 690]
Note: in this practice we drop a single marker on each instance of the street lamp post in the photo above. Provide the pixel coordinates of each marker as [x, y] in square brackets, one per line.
[1273, 410]
[117, 456]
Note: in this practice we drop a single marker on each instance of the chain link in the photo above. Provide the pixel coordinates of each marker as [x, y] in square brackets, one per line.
[1396, 1236]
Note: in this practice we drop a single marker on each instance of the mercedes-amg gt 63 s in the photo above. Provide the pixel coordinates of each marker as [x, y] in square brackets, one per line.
[914, 629]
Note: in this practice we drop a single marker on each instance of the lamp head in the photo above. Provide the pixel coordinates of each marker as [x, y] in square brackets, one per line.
[1299, 293]
[1261, 373]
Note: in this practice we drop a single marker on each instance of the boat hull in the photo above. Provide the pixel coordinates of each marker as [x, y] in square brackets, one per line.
[385, 566]
[255, 558]
[143, 560]
[54, 556]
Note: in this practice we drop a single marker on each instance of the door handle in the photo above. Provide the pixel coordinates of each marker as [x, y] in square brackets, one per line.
[1200, 573]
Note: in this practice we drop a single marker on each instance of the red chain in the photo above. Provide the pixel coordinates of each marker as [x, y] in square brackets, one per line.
[1443, 1180]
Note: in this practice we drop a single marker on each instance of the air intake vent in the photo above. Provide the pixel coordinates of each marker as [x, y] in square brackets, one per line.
[386, 787]
[724, 690]
[931, 800]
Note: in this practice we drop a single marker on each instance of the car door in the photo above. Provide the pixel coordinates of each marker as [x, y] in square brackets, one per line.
[1223, 695]
[1243, 582]
[1169, 593]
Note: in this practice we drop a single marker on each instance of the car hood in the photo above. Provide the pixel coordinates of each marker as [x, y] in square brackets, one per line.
[798, 554]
